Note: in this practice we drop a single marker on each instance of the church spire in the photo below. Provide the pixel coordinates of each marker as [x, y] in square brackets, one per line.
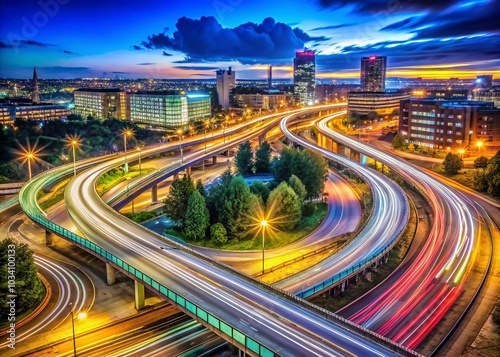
[35, 95]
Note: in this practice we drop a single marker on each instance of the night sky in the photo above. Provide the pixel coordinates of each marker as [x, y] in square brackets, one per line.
[190, 39]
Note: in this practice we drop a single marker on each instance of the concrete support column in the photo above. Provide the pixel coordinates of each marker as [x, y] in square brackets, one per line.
[188, 171]
[110, 274]
[139, 295]
[262, 138]
[154, 193]
[214, 160]
[319, 140]
[227, 153]
[176, 176]
[49, 238]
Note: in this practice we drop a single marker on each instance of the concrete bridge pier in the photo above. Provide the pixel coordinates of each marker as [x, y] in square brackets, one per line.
[262, 138]
[214, 160]
[154, 193]
[110, 274]
[188, 171]
[49, 238]
[176, 176]
[139, 295]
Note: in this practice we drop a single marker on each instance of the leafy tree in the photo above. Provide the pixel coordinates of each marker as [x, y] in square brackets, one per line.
[201, 188]
[217, 196]
[481, 162]
[411, 147]
[285, 207]
[218, 234]
[237, 208]
[263, 158]
[176, 203]
[197, 217]
[283, 167]
[452, 164]
[493, 175]
[260, 189]
[298, 187]
[28, 287]
[244, 159]
[480, 182]
[399, 142]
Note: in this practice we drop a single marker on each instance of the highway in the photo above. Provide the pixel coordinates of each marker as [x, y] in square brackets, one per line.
[411, 308]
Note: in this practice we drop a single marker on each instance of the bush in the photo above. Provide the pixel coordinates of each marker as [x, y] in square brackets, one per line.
[308, 209]
[481, 162]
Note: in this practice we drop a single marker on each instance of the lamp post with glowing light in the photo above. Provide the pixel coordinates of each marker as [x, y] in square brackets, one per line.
[30, 155]
[126, 133]
[479, 145]
[74, 143]
[461, 152]
[263, 224]
[140, 168]
[80, 316]
[179, 131]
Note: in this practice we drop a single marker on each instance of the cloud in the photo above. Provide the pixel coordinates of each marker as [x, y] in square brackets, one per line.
[399, 25]
[137, 48]
[167, 54]
[5, 45]
[120, 72]
[373, 7]
[198, 68]
[206, 40]
[65, 68]
[332, 27]
[145, 64]
[69, 52]
[33, 43]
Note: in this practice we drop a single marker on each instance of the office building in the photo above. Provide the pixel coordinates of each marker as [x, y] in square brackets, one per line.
[270, 77]
[11, 110]
[304, 76]
[373, 71]
[491, 95]
[442, 94]
[35, 95]
[381, 102]
[100, 103]
[484, 81]
[5, 117]
[169, 108]
[445, 125]
[267, 100]
[225, 83]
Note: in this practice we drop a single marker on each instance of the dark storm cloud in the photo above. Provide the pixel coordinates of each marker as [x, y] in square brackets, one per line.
[332, 27]
[167, 54]
[377, 6]
[33, 43]
[403, 24]
[485, 48]
[201, 68]
[145, 64]
[205, 40]
[65, 68]
[5, 45]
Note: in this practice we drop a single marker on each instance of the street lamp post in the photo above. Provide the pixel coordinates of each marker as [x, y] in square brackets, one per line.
[180, 143]
[140, 167]
[81, 315]
[74, 142]
[125, 134]
[479, 144]
[461, 152]
[29, 156]
[263, 224]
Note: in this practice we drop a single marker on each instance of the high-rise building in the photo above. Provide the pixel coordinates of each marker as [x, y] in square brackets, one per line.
[226, 81]
[169, 108]
[270, 77]
[373, 71]
[304, 76]
[100, 103]
[484, 81]
[381, 102]
[35, 95]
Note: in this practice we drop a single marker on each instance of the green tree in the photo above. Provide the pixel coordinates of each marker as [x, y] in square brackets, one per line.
[244, 159]
[260, 189]
[481, 162]
[298, 187]
[263, 158]
[201, 188]
[284, 206]
[197, 217]
[452, 164]
[176, 203]
[399, 142]
[218, 195]
[480, 182]
[237, 208]
[218, 234]
[493, 175]
[28, 287]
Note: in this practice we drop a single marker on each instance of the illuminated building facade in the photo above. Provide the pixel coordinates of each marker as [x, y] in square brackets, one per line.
[32, 111]
[484, 81]
[261, 101]
[169, 108]
[100, 103]
[304, 76]
[225, 81]
[380, 102]
[373, 71]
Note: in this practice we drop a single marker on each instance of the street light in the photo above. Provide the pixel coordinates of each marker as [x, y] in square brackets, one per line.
[126, 132]
[80, 316]
[263, 224]
[30, 155]
[461, 152]
[140, 168]
[179, 132]
[479, 145]
[74, 142]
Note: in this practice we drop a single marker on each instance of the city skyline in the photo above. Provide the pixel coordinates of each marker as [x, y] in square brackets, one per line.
[154, 39]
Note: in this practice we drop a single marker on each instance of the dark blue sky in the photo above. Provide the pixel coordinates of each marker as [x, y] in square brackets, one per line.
[190, 39]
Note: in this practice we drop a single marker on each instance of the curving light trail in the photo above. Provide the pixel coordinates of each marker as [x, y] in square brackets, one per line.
[410, 309]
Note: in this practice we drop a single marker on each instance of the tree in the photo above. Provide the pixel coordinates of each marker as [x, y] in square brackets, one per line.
[298, 187]
[28, 287]
[263, 158]
[237, 208]
[493, 175]
[452, 164]
[480, 182]
[244, 159]
[399, 142]
[260, 189]
[481, 162]
[218, 234]
[201, 188]
[217, 196]
[197, 217]
[176, 203]
[284, 206]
